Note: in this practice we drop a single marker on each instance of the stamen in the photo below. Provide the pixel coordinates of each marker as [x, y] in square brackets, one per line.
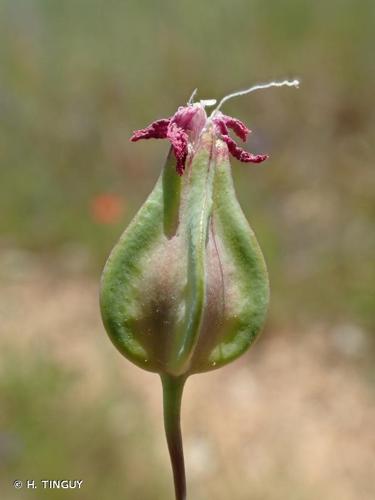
[287, 83]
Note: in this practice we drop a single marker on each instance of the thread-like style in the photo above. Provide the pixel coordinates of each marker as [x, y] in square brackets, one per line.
[284, 83]
[191, 99]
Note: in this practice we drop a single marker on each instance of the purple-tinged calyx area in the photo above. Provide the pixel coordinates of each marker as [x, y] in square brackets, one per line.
[184, 128]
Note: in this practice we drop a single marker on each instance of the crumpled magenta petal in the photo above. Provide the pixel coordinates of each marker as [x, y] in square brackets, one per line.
[221, 126]
[238, 127]
[184, 116]
[156, 130]
[222, 123]
[179, 140]
[186, 126]
[240, 153]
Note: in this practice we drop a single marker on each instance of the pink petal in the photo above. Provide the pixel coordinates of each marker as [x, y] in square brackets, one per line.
[240, 153]
[179, 140]
[184, 117]
[221, 125]
[156, 130]
[238, 127]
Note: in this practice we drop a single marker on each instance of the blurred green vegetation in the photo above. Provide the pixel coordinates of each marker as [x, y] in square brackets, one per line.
[78, 76]
[49, 430]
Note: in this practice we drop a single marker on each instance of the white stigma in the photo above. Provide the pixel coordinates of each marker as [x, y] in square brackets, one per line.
[284, 83]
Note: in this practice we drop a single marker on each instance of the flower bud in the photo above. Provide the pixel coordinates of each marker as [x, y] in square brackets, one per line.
[185, 290]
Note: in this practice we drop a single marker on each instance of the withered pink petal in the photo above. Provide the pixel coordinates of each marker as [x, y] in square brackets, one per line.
[156, 130]
[240, 153]
[192, 119]
[184, 116]
[179, 140]
[221, 125]
[186, 126]
[238, 127]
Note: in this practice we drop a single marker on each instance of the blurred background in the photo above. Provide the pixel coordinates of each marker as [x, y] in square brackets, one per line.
[293, 419]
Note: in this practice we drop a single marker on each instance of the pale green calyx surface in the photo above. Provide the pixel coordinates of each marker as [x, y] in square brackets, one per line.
[185, 290]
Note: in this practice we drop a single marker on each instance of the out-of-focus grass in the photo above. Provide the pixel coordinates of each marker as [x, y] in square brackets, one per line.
[78, 76]
[292, 420]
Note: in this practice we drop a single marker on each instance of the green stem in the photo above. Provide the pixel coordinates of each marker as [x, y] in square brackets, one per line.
[172, 395]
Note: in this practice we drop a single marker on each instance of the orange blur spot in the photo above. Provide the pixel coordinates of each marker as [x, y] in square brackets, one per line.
[106, 208]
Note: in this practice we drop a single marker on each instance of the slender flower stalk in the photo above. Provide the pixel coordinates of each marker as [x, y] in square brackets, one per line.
[172, 395]
[185, 290]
